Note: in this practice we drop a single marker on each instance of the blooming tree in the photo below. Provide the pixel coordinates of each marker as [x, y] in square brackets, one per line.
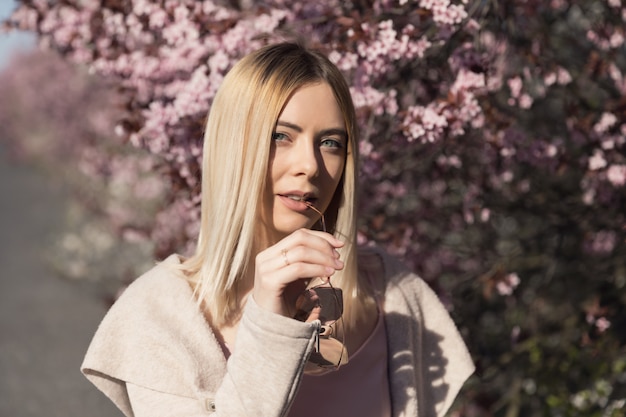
[492, 142]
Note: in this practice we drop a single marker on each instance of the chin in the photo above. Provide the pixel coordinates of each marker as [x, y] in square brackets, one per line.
[286, 228]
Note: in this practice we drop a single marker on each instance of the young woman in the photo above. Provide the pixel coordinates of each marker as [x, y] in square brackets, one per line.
[278, 313]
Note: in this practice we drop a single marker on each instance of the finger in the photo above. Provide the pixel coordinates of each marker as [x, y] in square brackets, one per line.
[312, 237]
[315, 314]
[306, 254]
[269, 288]
[280, 277]
[312, 240]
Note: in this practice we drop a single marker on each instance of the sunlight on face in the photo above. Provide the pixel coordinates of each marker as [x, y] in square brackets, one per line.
[307, 160]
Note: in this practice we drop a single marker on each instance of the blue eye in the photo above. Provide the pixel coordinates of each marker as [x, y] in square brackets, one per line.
[279, 137]
[331, 143]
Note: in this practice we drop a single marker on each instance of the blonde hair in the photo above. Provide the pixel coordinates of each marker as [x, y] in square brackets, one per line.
[235, 164]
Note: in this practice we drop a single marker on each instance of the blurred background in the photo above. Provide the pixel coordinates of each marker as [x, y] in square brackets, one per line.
[493, 143]
[46, 322]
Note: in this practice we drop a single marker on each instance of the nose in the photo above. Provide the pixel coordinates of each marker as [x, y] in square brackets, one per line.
[307, 159]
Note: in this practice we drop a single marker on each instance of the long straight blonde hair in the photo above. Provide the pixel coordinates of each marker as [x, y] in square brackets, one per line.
[235, 163]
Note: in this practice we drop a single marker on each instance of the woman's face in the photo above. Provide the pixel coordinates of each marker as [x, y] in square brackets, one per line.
[307, 159]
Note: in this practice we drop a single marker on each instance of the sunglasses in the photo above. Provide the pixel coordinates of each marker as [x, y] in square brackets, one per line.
[324, 303]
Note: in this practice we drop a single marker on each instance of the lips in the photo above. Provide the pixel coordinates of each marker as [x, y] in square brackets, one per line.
[297, 201]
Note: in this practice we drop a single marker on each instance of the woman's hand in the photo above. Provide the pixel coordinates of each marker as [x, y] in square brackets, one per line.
[282, 271]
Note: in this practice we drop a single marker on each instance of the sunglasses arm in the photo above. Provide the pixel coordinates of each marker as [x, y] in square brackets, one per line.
[318, 331]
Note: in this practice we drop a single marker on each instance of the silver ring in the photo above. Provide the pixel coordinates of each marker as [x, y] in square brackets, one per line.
[284, 253]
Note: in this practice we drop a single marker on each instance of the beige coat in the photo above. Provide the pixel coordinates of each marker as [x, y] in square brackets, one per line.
[154, 353]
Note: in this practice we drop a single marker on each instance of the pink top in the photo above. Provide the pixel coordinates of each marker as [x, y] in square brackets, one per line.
[358, 388]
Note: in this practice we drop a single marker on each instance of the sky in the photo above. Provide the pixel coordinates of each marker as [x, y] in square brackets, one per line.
[14, 41]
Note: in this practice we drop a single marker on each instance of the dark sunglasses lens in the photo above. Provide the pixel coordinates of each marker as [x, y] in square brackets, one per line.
[328, 299]
[331, 302]
[330, 352]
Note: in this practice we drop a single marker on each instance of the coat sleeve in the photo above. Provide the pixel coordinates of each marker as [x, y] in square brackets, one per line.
[155, 353]
[266, 367]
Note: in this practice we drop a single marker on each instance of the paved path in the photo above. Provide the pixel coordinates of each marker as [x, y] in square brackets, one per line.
[46, 323]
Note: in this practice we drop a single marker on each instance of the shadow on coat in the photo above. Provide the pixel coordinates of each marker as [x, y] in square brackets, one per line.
[431, 390]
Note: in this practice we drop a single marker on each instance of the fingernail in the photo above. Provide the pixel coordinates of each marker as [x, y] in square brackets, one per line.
[329, 270]
[336, 253]
[339, 263]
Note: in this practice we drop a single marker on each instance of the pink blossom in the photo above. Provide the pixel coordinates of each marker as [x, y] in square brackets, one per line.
[608, 143]
[616, 40]
[601, 41]
[219, 61]
[345, 61]
[420, 47]
[549, 79]
[367, 97]
[425, 123]
[617, 77]
[515, 85]
[603, 242]
[589, 196]
[390, 103]
[525, 101]
[507, 285]
[449, 14]
[602, 324]
[597, 161]
[365, 148]
[508, 152]
[143, 7]
[433, 120]
[180, 33]
[449, 161]
[616, 174]
[507, 176]
[444, 12]
[485, 214]
[606, 121]
[158, 18]
[269, 22]
[468, 80]
[334, 56]
[563, 76]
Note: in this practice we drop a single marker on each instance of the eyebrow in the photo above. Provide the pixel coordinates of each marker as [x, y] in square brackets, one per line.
[325, 132]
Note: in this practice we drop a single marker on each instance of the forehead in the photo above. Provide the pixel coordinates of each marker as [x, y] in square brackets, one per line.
[315, 105]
